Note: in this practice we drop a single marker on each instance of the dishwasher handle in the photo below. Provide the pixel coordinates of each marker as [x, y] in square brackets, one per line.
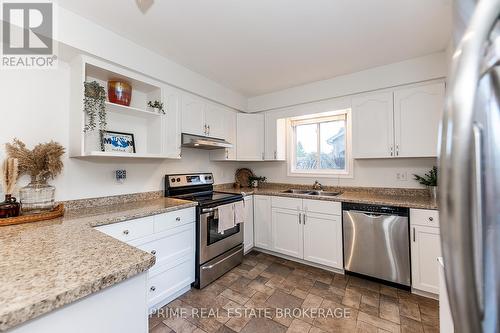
[369, 214]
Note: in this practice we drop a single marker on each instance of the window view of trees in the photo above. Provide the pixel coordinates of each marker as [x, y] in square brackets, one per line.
[320, 145]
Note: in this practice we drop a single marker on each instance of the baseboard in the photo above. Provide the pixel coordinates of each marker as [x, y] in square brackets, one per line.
[425, 294]
[301, 261]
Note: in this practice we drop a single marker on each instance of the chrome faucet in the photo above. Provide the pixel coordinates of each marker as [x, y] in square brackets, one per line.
[317, 186]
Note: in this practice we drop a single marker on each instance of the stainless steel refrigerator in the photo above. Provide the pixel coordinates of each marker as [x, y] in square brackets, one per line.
[469, 184]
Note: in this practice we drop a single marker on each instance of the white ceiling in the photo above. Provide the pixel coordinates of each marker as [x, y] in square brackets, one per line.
[261, 46]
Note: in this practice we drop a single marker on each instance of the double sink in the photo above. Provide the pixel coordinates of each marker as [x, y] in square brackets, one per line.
[313, 192]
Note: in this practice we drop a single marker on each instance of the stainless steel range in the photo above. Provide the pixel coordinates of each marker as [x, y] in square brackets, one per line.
[216, 253]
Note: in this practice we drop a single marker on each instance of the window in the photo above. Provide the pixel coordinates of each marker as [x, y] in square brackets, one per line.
[320, 144]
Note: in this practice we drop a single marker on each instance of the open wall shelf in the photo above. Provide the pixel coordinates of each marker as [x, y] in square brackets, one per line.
[148, 126]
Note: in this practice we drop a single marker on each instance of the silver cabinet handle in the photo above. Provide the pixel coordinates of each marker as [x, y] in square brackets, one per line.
[153, 288]
[227, 153]
[413, 235]
[300, 218]
[304, 218]
[208, 129]
[456, 195]
[397, 150]
[263, 156]
[153, 252]
[177, 218]
[275, 155]
[126, 232]
[392, 151]
[431, 218]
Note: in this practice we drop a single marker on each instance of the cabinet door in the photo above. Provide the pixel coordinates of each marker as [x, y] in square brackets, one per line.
[214, 119]
[287, 232]
[275, 138]
[227, 154]
[323, 239]
[262, 221]
[248, 225]
[172, 127]
[250, 137]
[417, 113]
[193, 115]
[425, 249]
[372, 125]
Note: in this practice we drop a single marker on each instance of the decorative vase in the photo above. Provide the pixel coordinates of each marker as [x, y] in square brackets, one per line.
[37, 196]
[10, 207]
[119, 92]
[255, 184]
[433, 191]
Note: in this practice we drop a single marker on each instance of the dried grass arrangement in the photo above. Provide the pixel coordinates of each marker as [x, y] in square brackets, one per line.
[9, 173]
[41, 163]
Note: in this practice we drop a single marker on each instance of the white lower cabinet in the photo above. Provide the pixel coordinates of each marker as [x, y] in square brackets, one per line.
[248, 225]
[425, 249]
[287, 232]
[323, 239]
[306, 229]
[262, 222]
[170, 237]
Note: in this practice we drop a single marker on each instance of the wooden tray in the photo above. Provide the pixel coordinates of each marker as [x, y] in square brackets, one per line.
[242, 175]
[58, 211]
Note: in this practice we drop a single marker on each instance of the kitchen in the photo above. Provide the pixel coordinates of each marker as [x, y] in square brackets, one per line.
[189, 194]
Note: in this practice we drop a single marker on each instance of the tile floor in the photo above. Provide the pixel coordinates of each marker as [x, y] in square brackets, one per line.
[254, 297]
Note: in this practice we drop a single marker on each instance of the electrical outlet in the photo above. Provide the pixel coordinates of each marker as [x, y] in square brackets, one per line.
[402, 176]
[121, 175]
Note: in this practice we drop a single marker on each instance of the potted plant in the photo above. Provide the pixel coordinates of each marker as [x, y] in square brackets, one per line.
[255, 181]
[94, 105]
[41, 163]
[430, 180]
[157, 106]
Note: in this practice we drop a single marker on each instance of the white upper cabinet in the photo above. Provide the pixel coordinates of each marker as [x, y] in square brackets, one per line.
[250, 137]
[172, 128]
[417, 112]
[215, 121]
[193, 115]
[402, 122]
[275, 137]
[372, 121]
[228, 122]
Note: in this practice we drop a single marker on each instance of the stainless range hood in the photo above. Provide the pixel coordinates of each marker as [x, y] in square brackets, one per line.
[203, 142]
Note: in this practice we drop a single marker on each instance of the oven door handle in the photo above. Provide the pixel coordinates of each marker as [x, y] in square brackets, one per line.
[220, 261]
[209, 210]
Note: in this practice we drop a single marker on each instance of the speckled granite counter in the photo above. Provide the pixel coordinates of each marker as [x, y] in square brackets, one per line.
[411, 198]
[46, 265]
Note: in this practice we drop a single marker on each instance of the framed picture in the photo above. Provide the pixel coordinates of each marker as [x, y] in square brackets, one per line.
[117, 142]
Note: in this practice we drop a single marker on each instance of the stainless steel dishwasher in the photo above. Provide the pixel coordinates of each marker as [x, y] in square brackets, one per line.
[376, 242]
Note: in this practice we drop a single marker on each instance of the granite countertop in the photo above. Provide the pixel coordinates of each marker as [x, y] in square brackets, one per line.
[411, 198]
[46, 265]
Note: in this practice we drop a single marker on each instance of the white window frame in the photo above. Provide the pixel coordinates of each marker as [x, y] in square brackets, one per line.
[291, 147]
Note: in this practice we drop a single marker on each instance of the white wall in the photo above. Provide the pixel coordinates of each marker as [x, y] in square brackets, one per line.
[367, 173]
[85, 35]
[34, 107]
[424, 68]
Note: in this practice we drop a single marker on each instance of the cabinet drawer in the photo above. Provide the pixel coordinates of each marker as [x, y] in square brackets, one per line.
[424, 217]
[173, 219]
[163, 285]
[323, 207]
[174, 244]
[129, 230]
[287, 203]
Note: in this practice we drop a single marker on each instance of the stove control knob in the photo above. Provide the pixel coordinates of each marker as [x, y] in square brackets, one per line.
[178, 179]
[173, 180]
